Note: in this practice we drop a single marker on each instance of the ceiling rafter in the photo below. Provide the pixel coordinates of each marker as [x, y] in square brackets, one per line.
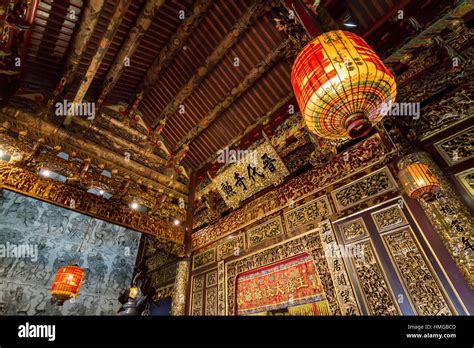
[167, 54]
[115, 20]
[142, 24]
[284, 101]
[89, 20]
[254, 74]
[258, 8]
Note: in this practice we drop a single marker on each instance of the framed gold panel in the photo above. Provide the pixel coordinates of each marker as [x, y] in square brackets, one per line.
[353, 230]
[466, 179]
[211, 301]
[268, 229]
[420, 282]
[367, 187]
[204, 258]
[318, 208]
[197, 303]
[457, 148]
[389, 218]
[231, 247]
[211, 278]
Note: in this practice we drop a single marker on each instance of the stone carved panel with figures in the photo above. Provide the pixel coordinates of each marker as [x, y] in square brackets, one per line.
[420, 282]
[317, 209]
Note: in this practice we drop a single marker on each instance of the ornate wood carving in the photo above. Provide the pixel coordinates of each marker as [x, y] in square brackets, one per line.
[317, 209]
[231, 247]
[353, 230]
[267, 230]
[458, 147]
[389, 218]
[204, 258]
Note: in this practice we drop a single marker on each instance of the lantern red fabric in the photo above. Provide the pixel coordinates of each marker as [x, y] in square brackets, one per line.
[67, 283]
[341, 85]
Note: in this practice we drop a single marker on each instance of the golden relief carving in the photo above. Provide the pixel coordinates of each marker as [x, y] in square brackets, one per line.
[458, 147]
[163, 292]
[344, 291]
[197, 303]
[221, 288]
[198, 282]
[315, 210]
[466, 178]
[204, 258]
[389, 218]
[362, 155]
[369, 186]
[67, 196]
[374, 286]
[265, 231]
[211, 301]
[308, 243]
[231, 247]
[417, 278]
[353, 230]
[163, 276]
[178, 303]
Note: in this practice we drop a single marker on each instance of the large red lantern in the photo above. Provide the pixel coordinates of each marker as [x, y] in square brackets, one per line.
[341, 85]
[67, 283]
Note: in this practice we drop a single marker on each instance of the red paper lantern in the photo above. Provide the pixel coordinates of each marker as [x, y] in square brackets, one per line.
[341, 85]
[67, 283]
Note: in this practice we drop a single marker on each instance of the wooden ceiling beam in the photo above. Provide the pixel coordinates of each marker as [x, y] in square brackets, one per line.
[136, 33]
[258, 8]
[284, 101]
[89, 20]
[172, 48]
[115, 20]
[253, 75]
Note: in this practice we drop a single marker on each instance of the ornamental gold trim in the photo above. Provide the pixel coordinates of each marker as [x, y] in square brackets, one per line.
[453, 147]
[389, 218]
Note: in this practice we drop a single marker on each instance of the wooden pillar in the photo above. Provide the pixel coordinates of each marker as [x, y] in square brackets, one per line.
[178, 302]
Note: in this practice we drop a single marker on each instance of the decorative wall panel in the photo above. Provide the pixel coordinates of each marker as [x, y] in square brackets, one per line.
[458, 147]
[344, 291]
[287, 283]
[309, 242]
[353, 230]
[107, 254]
[369, 186]
[389, 218]
[466, 179]
[375, 288]
[265, 231]
[231, 247]
[412, 268]
[260, 168]
[197, 303]
[360, 156]
[198, 282]
[211, 301]
[204, 258]
[315, 210]
[221, 288]
[211, 278]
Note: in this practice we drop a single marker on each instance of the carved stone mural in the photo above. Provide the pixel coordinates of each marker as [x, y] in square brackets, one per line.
[107, 252]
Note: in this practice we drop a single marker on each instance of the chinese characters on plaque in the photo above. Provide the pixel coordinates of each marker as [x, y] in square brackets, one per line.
[260, 169]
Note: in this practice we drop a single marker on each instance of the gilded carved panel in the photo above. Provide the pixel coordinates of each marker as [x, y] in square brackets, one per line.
[204, 258]
[221, 288]
[369, 186]
[344, 291]
[231, 247]
[389, 218]
[309, 243]
[378, 296]
[458, 147]
[353, 230]
[198, 282]
[419, 281]
[466, 179]
[211, 301]
[315, 210]
[265, 231]
[197, 303]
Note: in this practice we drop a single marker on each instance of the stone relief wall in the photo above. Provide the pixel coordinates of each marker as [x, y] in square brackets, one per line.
[107, 254]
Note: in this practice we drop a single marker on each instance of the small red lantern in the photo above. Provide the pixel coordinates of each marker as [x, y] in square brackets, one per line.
[67, 283]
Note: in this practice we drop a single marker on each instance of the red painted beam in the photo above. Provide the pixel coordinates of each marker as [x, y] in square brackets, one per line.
[306, 18]
[381, 21]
